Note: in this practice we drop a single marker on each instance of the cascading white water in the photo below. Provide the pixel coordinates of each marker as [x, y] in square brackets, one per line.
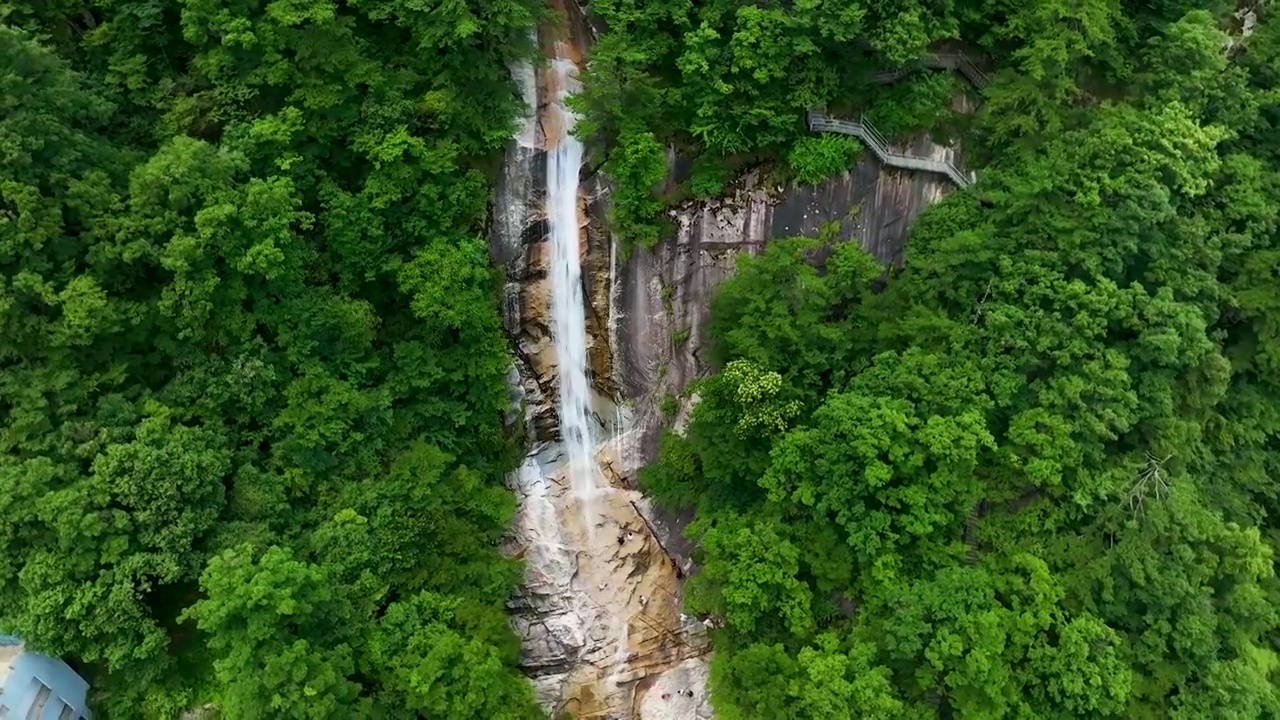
[599, 592]
[539, 512]
[569, 326]
[569, 334]
[526, 78]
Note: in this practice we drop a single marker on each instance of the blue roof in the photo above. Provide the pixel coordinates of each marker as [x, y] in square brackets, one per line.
[39, 681]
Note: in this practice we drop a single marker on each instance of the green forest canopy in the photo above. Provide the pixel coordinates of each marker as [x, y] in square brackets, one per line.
[1032, 476]
[252, 370]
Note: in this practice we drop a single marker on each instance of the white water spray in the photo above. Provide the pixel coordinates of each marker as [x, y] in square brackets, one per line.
[570, 334]
[569, 324]
[526, 78]
[589, 564]
[540, 513]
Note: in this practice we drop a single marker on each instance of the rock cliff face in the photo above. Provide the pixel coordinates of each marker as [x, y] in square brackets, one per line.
[662, 301]
[600, 614]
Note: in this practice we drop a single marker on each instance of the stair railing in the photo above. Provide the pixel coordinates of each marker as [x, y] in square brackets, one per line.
[865, 130]
[873, 136]
[967, 67]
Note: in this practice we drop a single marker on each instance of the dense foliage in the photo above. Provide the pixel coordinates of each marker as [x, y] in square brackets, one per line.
[252, 372]
[730, 81]
[251, 367]
[1030, 475]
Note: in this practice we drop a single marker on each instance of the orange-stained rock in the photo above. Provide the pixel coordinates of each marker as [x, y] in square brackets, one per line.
[599, 614]
[611, 581]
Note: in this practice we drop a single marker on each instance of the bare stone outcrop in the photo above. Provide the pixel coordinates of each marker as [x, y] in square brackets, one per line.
[662, 306]
[601, 615]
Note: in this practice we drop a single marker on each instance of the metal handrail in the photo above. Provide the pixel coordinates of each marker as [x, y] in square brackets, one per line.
[884, 77]
[970, 69]
[874, 133]
[956, 60]
[864, 130]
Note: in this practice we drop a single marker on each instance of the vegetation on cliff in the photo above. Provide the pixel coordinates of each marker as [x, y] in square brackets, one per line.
[1030, 475]
[729, 82]
[251, 366]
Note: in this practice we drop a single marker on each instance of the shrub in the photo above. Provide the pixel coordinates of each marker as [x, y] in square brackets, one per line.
[817, 157]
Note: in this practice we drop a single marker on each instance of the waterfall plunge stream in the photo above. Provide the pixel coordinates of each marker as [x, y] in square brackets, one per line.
[599, 611]
[569, 331]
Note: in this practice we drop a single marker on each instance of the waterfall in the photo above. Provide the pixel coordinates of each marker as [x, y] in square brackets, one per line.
[539, 513]
[569, 323]
[527, 80]
[599, 591]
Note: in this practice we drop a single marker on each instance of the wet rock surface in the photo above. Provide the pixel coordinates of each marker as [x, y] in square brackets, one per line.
[600, 611]
[600, 614]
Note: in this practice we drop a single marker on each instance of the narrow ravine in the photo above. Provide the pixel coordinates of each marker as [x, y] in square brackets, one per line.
[600, 611]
